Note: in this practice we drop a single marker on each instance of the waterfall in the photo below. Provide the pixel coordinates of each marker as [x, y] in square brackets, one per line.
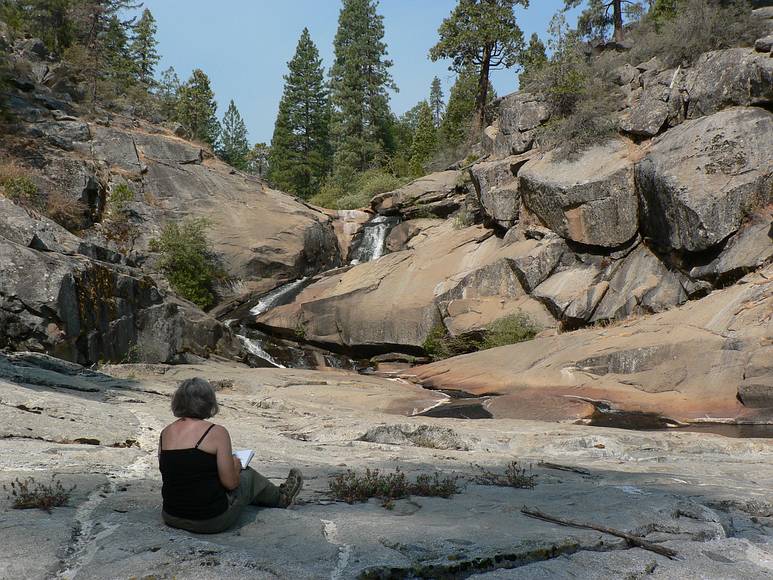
[256, 348]
[373, 241]
[278, 296]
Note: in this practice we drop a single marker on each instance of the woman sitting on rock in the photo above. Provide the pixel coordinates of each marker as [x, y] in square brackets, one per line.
[204, 487]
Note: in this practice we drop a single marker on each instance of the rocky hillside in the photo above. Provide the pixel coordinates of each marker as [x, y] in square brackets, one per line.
[94, 292]
[676, 206]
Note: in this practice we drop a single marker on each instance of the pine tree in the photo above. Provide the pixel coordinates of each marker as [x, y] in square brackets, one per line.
[300, 147]
[436, 101]
[167, 90]
[101, 37]
[483, 34]
[459, 120]
[143, 48]
[257, 159]
[118, 66]
[359, 79]
[234, 147]
[49, 20]
[424, 139]
[596, 18]
[532, 60]
[196, 109]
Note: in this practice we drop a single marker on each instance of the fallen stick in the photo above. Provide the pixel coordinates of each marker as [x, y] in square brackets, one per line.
[632, 540]
[579, 470]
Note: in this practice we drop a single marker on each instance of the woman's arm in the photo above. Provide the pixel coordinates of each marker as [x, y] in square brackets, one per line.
[228, 466]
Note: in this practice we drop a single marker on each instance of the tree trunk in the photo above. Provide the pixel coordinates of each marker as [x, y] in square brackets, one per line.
[483, 87]
[617, 6]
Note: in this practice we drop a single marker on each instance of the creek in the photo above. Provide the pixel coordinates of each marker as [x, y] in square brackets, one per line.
[370, 244]
[265, 350]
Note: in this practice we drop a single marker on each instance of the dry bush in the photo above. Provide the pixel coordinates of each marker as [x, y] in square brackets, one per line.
[17, 185]
[697, 26]
[66, 211]
[514, 476]
[29, 494]
[353, 487]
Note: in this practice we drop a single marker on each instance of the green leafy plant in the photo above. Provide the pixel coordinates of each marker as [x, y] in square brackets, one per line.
[353, 487]
[508, 330]
[135, 354]
[355, 190]
[120, 195]
[28, 493]
[511, 329]
[300, 331]
[188, 261]
[514, 476]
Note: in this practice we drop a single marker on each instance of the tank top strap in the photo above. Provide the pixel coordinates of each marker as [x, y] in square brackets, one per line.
[202, 437]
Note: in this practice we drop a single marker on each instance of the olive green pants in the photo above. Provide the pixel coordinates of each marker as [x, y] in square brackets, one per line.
[253, 489]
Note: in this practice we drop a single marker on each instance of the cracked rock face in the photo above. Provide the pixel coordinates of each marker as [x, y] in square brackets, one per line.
[590, 200]
[67, 297]
[496, 185]
[687, 362]
[263, 236]
[639, 283]
[520, 114]
[724, 78]
[699, 180]
[437, 194]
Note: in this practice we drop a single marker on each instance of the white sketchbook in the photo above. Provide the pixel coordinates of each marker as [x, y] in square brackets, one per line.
[245, 456]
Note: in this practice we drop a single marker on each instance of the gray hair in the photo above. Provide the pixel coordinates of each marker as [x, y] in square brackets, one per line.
[195, 398]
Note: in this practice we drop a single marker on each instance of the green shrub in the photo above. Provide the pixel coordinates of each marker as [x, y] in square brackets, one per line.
[583, 98]
[511, 329]
[28, 494]
[681, 30]
[354, 191]
[120, 195]
[187, 260]
[463, 219]
[353, 487]
[514, 476]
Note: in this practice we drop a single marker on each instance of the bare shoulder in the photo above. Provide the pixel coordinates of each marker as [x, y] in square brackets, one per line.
[220, 432]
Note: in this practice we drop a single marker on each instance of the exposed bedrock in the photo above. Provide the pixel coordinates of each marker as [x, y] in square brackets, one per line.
[437, 194]
[514, 131]
[709, 359]
[590, 200]
[700, 180]
[66, 297]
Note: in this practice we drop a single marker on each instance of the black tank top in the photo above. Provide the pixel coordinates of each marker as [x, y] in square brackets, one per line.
[191, 488]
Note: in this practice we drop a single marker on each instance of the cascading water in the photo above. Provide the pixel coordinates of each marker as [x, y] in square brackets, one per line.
[278, 296]
[372, 244]
[255, 347]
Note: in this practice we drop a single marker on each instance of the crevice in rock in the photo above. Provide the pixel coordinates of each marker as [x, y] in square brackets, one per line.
[461, 569]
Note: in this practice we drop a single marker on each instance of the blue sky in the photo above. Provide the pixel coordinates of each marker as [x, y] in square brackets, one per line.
[244, 46]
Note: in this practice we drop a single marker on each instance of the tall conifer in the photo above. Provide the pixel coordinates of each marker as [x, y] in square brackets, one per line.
[300, 153]
[196, 108]
[483, 34]
[143, 47]
[436, 103]
[234, 147]
[458, 122]
[424, 139]
[359, 79]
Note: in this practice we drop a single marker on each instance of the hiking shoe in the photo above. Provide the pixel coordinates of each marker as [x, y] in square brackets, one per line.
[290, 489]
